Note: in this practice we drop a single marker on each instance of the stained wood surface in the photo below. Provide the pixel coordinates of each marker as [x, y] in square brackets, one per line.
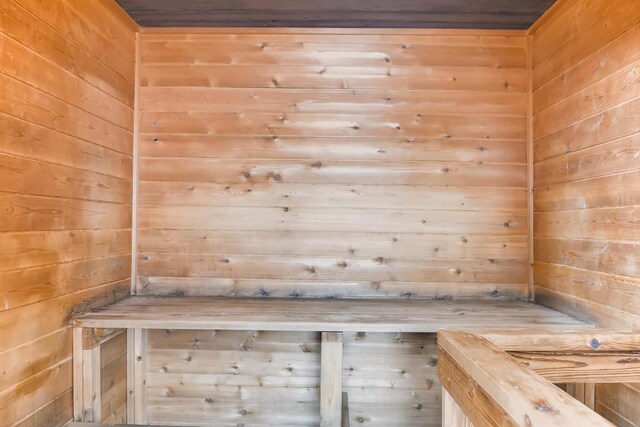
[66, 115]
[266, 378]
[322, 315]
[511, 393]
[304, 13]
[586, 59]
[321, 163]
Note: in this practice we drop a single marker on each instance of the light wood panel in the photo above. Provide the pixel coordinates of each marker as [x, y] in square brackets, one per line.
[66, 120]
[329, 315]
[586, 105]
[260, 376]
[359, 165]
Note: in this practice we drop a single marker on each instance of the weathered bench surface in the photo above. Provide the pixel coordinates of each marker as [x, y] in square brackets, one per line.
[324, 315]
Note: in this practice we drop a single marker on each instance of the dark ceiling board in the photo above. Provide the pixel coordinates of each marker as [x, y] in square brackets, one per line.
[480, 14]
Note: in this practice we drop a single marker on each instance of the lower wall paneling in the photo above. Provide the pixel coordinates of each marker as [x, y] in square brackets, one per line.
[272, 378]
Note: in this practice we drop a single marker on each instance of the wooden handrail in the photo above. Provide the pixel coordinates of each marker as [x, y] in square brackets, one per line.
[493, 386]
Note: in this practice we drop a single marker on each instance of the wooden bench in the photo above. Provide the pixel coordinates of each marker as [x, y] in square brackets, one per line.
[136, 315]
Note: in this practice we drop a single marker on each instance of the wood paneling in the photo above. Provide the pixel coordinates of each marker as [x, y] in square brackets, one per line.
[587, 145]
[259, 377]
[332, 13]
[66, 120]
[302, 160]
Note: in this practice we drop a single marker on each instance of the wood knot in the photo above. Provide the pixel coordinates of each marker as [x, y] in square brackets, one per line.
[316, 165]
[380, 260]
[247, 175]
[285, 209]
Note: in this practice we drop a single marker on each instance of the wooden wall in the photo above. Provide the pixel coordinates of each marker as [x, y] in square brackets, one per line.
[66, 121]
[272, 378]
[586, 81]
[328, 163]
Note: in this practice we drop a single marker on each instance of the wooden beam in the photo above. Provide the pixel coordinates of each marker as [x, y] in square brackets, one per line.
[452, 413]
[610, 367]
[78, 382]
[131, 381]
[564, 341]
[87, 397]
[525, 396]
[331, 379]
[140, 376]
[477, 405]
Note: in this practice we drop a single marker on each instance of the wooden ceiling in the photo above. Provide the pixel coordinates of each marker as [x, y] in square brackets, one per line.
[481, 14]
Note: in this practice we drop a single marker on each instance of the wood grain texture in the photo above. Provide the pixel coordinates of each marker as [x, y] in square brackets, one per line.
[341, 14]
[66, 114]
[328, 315]
[359, 163]
[586, 105]
[257, 377]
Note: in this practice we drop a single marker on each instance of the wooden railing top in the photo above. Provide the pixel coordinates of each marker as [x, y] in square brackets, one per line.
[504, 378]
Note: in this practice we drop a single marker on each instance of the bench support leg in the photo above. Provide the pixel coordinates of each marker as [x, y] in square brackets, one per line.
[137, 376]
[331, 379]
[452, 413]
[583, 392]
[87, 397]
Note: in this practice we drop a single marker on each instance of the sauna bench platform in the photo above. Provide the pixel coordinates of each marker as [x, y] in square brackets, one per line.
[329, 315]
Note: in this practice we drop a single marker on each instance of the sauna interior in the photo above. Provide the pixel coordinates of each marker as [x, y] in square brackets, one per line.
[336, 213]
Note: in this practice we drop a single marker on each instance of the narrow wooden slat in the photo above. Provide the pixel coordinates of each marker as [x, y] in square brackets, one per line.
[140, 374]
[331, 379]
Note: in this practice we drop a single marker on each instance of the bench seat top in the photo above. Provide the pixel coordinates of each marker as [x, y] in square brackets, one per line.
[274, 314]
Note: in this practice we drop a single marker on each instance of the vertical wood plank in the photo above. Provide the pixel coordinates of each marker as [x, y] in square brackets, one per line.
[78, 378]
[134, 194]
[452, 413]
[140, 376]
[131, 368]
[590, 396]
[530, 177]
[584, 393]
[345, 410]
[331, 379]
[92, 398]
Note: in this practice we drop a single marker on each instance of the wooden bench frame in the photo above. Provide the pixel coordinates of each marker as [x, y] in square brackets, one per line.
[86, 376]
[506, 378]
[331, 318]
